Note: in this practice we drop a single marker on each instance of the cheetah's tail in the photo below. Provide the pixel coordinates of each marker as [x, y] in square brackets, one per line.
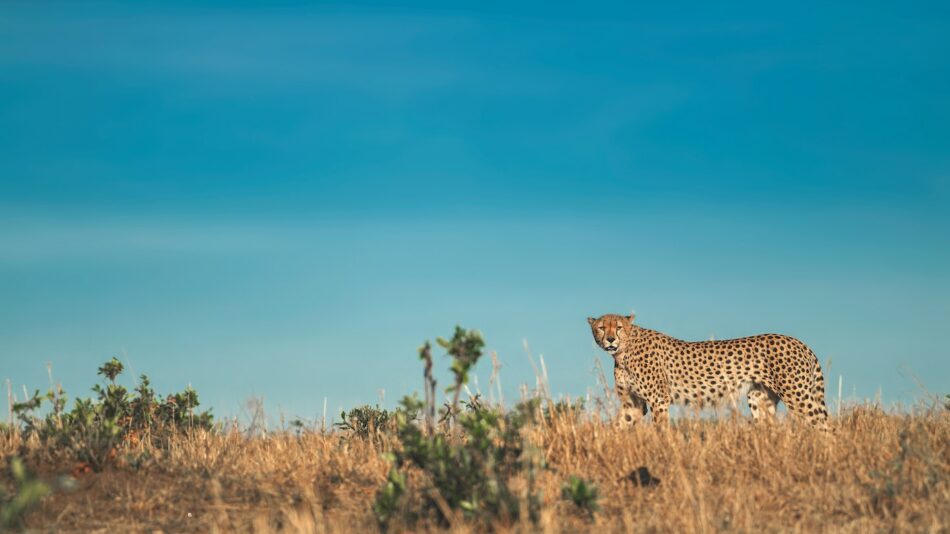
[818, 388]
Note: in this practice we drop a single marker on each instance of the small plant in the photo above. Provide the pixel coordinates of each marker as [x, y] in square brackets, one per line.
[564, 409]
[468, 475]
[298, 425]
[468, 470]
[465, 347]
[95, 427]
[366, 421]
[111, 369]
[390, 496]
[28, 491]
[582, 493]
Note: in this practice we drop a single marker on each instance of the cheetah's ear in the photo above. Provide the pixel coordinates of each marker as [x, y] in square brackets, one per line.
[629, 318]
[590, 320]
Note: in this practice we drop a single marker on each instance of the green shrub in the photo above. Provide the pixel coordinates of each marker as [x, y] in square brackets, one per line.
[94, 427]
[465, 347]
[564, 409]
[28, 491]
[582, 493]
[467, 473]
[366, 421]
[467, 467]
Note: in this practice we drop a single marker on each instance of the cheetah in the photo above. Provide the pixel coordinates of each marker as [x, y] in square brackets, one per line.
[654, 369]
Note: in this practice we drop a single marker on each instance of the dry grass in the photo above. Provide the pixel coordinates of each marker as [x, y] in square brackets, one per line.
[877, 472]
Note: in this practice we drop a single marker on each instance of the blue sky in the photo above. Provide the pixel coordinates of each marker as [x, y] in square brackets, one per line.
[286, 201]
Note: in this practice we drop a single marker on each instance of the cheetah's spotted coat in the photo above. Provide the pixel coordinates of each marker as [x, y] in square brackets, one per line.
[653, 369]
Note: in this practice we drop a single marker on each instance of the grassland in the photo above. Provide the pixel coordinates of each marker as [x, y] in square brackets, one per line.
[878, 471]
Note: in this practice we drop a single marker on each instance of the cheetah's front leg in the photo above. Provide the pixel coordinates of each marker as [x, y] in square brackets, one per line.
[632, 410]
[658, 396]
[659, 402]
[632, 406]
[661, 411]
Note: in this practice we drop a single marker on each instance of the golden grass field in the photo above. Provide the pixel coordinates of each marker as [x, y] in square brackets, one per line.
[878, 471]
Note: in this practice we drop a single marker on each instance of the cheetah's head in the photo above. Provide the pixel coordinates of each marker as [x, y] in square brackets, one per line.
[611, 330]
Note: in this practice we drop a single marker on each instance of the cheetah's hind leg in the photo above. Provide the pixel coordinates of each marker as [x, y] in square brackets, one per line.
[762, 402]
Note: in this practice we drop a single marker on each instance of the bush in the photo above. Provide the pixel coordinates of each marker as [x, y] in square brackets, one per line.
[28, 491]
[564, 409]
[366, 421]
[582, 493]
[466, 468]
[468, 473]
[93, 429]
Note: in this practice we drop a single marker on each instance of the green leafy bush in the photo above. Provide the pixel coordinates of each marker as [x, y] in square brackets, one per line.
[28, 491]
[465, 347]
[582, 493]
[564, 409]
[91, 431]
[466, 469]
[366, 421]
[468, 473]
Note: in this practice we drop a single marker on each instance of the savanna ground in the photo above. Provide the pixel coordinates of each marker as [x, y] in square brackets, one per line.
[879, 472]
[557, 467]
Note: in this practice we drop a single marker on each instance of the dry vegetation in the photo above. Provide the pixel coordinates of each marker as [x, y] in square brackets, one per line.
[140, 462]
[877, 472]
